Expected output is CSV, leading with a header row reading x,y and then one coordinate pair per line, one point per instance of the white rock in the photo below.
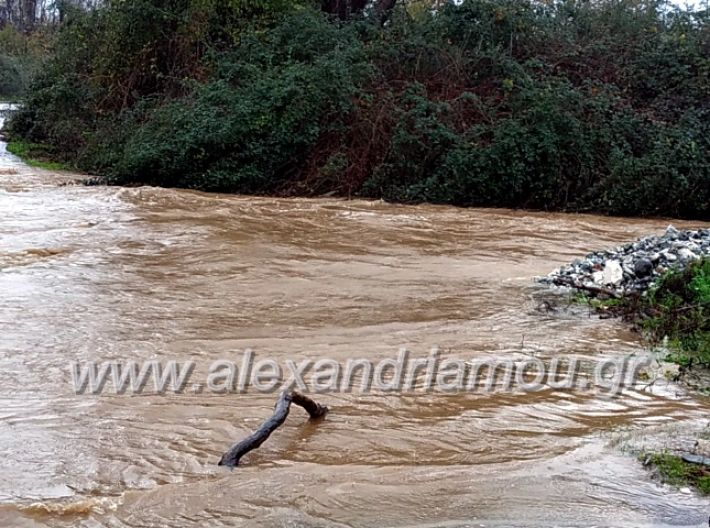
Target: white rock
x,y
598,277
670,256
613,273
672,231
686,254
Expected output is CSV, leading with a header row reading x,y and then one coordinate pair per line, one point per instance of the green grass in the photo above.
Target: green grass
x,y
606,304
581,298
34,155
674,471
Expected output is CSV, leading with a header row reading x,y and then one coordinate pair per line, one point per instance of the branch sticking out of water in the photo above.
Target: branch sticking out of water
x,y
590,288
237,451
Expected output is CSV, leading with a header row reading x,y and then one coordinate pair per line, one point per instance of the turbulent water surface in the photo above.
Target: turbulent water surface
x,y
99,273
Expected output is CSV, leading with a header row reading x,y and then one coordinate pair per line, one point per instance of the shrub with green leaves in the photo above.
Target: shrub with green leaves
x,y
564,105
11,82
680,309
254,123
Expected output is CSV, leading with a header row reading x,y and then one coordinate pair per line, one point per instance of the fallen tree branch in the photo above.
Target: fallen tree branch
x,y
596,290
237,451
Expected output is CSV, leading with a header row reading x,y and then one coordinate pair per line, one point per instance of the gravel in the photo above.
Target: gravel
x,y
633,267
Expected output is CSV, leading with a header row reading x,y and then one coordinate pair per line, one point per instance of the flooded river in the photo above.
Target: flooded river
x,y
101,273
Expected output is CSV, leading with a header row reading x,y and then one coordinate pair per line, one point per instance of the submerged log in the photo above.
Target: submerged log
x,y
283,405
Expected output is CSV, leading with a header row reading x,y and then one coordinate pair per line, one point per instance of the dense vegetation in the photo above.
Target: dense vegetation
x,y
679,311
20,56
560,104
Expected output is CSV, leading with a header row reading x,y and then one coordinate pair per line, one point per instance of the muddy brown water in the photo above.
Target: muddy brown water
x,y
99,273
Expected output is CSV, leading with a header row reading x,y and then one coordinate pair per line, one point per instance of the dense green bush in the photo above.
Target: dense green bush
x,y
255,120
11,82
566,104
679,306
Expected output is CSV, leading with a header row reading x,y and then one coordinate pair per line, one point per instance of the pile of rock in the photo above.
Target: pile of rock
x,y
632,267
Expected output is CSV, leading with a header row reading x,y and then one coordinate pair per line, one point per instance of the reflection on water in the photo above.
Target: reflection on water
x,y
93,273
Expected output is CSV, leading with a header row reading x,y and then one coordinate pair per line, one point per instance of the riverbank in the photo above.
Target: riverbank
x,y
35,155
677,455
682,470
661,286
473,104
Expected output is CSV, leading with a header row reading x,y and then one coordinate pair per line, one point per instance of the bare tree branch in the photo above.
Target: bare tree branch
x,y
237,451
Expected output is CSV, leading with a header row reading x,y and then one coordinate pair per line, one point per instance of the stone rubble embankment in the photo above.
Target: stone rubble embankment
x,y
632,268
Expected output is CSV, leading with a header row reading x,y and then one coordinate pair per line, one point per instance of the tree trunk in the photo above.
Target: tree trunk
x,y
29,14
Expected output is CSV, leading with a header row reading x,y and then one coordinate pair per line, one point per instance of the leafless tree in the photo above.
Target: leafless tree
x,y
28,15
